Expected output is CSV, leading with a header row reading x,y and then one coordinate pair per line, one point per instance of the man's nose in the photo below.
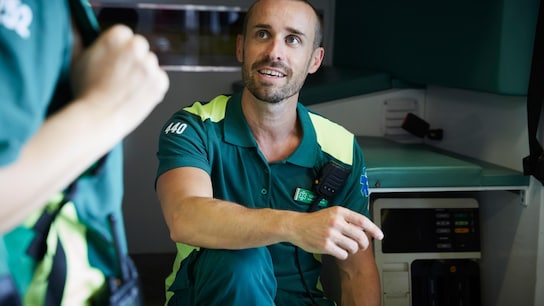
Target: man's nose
x,y
276,49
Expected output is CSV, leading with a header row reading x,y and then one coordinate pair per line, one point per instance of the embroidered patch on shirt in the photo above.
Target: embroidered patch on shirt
x,y
364,183
307,196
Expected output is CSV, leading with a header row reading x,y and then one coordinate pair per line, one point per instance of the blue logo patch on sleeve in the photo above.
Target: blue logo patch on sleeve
x,y
364,183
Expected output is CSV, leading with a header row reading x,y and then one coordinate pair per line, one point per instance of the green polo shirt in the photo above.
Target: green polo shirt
x,y
215,137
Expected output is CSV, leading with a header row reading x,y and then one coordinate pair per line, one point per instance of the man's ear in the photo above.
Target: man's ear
x,y
317,59
240,48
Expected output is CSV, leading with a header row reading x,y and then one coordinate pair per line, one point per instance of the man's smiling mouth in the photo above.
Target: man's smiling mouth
x,y
272,73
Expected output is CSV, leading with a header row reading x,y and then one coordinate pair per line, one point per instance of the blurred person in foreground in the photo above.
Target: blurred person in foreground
x,y
69,97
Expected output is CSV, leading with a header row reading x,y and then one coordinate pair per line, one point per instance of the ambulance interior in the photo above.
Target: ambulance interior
x,y
471,222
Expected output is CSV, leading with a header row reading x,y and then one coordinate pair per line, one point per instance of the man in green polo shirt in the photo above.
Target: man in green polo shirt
x,y
237,181
68,97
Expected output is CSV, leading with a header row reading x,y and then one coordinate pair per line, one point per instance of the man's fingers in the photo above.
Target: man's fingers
x,y
364,224
372,229
335,250
139,46
117,35
346,232
349,244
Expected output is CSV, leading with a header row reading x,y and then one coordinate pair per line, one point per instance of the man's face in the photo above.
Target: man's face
x,y
277,51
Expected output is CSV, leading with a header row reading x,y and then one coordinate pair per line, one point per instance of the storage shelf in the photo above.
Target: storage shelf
x,y
410,167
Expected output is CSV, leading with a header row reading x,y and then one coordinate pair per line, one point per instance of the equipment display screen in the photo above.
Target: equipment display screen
x,y
430,230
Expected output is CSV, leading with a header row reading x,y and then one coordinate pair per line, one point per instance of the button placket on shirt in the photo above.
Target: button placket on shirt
x,y
265,189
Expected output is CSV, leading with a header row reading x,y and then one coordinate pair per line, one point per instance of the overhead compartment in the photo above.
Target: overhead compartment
x,y
477,45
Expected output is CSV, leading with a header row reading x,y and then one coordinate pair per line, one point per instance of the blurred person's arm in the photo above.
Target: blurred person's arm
x,y
117,82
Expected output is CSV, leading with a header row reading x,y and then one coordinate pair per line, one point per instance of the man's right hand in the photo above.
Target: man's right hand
x,y
336,231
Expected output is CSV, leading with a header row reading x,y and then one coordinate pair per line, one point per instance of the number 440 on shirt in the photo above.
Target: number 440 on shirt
x,y
175,128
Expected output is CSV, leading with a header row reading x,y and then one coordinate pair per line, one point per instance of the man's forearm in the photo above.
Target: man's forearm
x,y
218,224
359,279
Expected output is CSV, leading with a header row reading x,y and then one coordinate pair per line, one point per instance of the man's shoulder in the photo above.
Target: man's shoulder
x,y
333,138
325,127
213,110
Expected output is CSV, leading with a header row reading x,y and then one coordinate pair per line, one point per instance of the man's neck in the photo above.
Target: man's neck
x,y
275,126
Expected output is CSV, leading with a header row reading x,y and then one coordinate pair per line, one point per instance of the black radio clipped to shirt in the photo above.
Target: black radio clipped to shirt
x,y
326,185
330,180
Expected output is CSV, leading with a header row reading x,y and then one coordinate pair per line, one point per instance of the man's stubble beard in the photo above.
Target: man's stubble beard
x,y
267,92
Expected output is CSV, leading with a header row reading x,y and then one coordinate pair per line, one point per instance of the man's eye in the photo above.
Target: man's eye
x,y
292,40
262,34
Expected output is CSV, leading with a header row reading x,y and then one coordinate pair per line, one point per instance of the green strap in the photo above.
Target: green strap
x,y
57,277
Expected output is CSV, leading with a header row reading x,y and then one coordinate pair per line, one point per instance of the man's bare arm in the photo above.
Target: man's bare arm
x,y
359,279
196,218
